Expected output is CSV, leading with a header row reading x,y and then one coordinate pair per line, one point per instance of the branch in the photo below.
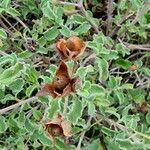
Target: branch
x,y
83,133
68,3
118,25
139,47
109,17
4,110
82,9
128,130
135,46
21,22
3,53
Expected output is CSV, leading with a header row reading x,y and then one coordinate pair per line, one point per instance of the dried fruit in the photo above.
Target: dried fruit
x,y
71,48
133,68
62,84
59,127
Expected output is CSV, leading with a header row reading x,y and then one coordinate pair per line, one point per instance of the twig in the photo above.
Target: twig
x,y
124,18
135,46
109,16
68,3
4,110
119,73
139,47
21,22
89,19
83,133
5,27
140,12
88,58
3,53
9,23
124,128
138,78
82,9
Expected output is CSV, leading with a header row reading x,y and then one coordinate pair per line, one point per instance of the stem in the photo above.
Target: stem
x,y
82,9
4,110
68,3
138,78
124,128
21,22
83,133
109,16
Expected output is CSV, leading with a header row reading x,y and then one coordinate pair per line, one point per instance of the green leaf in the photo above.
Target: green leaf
x,y
91,108
25,54
125,64
5,3
122,49
54,108
124,143
78,19
76,111
51,33
148,117
30,89
29,125
126,86
32,75
42,50
13,124
97,90
47,11
37,114
82,71
44,139
101,101
10,74
146,71
3,34
120,96
113,111
108,131
68,9
95,145
3,125
13,12
2,94
83,28
114,82
137,95
17,85
21,119
1,10
42,41
60,145
103,69
65,31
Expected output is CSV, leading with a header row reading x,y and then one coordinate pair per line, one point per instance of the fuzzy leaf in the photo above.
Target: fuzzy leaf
x,y
3,125
3,34
51,34
76,111
103,69
54,108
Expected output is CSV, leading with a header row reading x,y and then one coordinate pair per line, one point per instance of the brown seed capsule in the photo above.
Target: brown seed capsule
x,y
62,84
71,48
133,68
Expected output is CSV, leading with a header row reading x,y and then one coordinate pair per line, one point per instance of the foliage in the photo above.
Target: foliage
x,y
110,108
